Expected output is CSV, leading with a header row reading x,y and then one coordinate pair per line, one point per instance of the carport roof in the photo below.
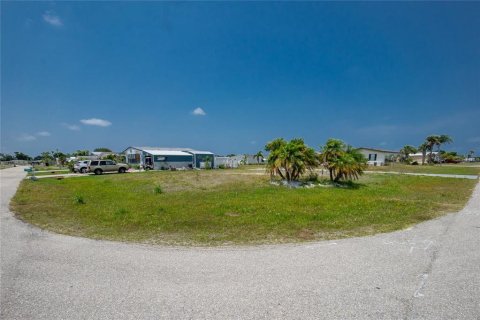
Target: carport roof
x,y
166,152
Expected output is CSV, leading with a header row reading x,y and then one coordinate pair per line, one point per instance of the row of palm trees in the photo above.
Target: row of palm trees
x,y
426,148
290,159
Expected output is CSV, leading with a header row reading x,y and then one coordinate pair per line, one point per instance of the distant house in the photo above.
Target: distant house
x,y
226,162
247,159
419,156
378,157
168,158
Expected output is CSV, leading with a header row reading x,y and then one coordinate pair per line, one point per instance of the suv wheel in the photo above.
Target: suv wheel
x,y
121,170
83,170
98,171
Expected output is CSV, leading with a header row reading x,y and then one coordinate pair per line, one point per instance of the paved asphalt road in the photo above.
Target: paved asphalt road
x,y
431,271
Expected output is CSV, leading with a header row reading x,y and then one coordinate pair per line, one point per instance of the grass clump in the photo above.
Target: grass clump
x,y
157,190
78,199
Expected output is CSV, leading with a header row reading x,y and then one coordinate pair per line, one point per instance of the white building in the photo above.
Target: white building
x,y
378,157
419,156
226,162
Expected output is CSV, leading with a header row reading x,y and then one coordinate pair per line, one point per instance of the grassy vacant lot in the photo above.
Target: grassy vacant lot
x,y
444,168
231,206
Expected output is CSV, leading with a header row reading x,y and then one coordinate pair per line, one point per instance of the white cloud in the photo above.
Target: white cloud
x,y
51,18
199,112
72,127
96,122
43,134
26,137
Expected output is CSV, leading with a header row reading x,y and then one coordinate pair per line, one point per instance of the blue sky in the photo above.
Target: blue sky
x,y
228,77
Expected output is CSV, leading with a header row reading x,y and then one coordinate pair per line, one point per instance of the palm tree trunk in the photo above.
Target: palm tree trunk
x,y
280,174
338,177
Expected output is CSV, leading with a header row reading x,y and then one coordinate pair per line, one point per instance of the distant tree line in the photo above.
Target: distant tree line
x,y
431,144
48,157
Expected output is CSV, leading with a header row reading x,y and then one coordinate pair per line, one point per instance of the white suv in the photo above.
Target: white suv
x,y
81,166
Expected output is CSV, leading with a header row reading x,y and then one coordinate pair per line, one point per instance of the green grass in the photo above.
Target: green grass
x,y
231,207
444,168
5,166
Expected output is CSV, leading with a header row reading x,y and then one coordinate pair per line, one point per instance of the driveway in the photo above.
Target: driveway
x,y
431,271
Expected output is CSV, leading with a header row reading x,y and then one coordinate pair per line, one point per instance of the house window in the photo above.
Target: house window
x,y
372,157
133,158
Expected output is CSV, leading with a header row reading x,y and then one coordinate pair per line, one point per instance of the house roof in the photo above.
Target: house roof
x,y
379,150
172,151
198,152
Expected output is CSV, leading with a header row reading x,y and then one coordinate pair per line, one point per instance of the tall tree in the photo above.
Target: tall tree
x,y
423,148
102,150
6,157
60,156
443,139
46,157
431,142
258,156
406,151
22,156
436,140
80,153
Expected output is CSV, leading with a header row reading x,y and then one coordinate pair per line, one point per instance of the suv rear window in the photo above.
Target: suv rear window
x,y
94,163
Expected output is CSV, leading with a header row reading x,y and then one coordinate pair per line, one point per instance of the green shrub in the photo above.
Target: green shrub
x,y
78,199
120,213
157,190
312,177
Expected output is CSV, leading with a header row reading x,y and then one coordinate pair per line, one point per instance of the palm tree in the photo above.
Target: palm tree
x,y
431,142
443,139
350,165
423,148
258,156
290,159
436,140
342,161
406,151
330,152
273,160
245,159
